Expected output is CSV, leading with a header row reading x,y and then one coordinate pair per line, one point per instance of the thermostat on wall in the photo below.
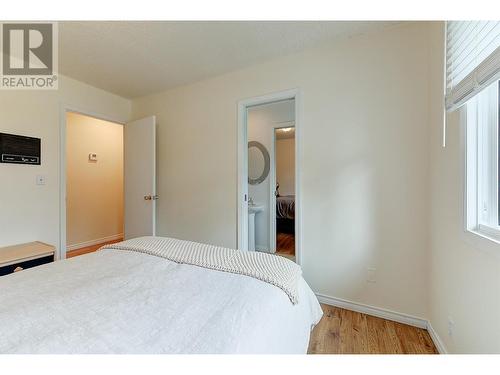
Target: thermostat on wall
x,y
92,157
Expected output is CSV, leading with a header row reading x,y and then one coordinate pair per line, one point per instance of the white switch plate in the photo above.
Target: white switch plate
x,y
371,275
451,326
40,179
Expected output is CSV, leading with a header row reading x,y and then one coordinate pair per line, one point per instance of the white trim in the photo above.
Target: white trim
x,y
94,242
242,197
154,203
488,232
479,177
438,343
262,249
386,314
64,108
468,167
242,226
272,193
298,194
374,311
272,182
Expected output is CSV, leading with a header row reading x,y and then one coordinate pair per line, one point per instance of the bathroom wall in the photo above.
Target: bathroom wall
x,y
261,122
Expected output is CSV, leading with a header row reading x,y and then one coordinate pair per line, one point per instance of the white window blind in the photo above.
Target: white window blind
x,y
472,59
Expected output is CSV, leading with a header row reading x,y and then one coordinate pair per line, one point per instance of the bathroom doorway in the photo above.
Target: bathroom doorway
x,y
283,197
268,209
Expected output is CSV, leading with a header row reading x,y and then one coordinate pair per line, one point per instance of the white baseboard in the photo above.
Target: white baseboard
x,y
436,339
374,311
94,242
386,314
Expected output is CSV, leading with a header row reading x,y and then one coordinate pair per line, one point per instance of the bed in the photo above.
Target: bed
x,y
285,214
119,301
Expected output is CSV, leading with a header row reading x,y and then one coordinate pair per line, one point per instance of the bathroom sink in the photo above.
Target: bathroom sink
x,y
255,208
252,210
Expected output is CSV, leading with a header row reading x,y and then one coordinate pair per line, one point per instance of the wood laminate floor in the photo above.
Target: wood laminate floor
x,y
347,332
88,249
285,244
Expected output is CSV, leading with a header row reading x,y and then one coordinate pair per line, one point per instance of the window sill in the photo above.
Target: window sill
x,y
486,232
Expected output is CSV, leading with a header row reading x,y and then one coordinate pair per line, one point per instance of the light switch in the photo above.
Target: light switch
x,y
40,179
371,273
92,157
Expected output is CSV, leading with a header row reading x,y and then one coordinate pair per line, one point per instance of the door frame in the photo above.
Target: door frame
x,y
242,193
63,110
272,182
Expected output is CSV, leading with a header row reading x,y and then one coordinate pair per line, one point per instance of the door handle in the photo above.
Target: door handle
x,y
151,197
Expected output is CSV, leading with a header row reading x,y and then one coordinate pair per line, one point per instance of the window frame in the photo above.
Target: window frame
x,y
481,120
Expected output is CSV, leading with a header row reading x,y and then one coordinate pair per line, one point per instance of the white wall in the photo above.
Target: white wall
x,y
261,122
94,188
464,268
373,173
364,162
285,165
31,212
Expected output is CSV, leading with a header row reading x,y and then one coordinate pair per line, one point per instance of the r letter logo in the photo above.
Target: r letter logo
x,y
29,56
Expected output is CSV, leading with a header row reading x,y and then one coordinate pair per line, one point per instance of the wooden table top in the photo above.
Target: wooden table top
x,y
24,252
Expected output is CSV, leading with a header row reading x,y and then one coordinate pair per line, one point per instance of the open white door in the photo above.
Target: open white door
x,y
139,141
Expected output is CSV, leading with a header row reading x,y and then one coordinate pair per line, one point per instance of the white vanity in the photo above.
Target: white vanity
x,y
253,209
258,186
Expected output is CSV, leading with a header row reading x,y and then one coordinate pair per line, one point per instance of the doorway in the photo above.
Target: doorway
x,y
138,179
283,196
94,183
260,127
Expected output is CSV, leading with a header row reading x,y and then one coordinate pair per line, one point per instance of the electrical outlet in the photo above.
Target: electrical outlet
x,y
371,275
451,326
40,179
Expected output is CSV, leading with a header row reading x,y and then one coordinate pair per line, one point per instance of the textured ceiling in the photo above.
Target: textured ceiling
x,y
134,59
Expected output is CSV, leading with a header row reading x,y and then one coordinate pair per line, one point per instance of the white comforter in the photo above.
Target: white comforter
x,y
116,301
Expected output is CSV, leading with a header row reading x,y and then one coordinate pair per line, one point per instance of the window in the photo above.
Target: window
x,y
482,159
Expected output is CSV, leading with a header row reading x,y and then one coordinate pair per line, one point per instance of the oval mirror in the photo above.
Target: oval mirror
x,y
258,163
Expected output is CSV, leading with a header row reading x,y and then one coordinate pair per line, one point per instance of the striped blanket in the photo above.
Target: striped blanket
x,y
270,268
